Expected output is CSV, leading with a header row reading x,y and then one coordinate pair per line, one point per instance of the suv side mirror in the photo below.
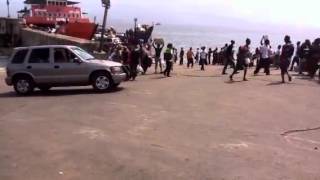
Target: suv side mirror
x,y
77,60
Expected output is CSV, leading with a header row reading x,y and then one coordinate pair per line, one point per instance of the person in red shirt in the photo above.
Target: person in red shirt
x,y
190,56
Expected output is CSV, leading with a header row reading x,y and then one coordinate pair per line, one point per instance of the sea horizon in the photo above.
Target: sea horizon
x,y
212,36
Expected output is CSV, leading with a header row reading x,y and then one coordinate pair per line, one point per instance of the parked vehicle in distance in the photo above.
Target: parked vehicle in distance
x,y
45,67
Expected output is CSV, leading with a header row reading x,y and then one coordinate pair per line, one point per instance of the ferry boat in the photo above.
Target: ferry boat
x,y
61,14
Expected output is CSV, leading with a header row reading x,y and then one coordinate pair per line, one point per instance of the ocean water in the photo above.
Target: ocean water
x,y
212,37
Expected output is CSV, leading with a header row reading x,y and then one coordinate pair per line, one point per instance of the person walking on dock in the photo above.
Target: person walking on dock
x,y
181,56
203,58
313,63
168,57
305,56
229,58
243,60
197,57
190,56
266,53
277,57
175,54
296,58
210,54
215,56
158,49
286,55
135,58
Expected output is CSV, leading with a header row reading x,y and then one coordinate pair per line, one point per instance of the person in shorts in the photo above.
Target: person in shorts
x,y
190,56
266,53
203,58
286,55
229,58
158,49
242,63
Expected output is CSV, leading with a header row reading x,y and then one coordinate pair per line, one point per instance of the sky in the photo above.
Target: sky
x,y
203,12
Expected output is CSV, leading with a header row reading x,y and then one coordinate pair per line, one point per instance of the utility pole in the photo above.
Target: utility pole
x,y
106,4
135,29
8,7
135,24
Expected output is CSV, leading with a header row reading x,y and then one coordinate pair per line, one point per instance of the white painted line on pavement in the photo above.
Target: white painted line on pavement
x,y
2,70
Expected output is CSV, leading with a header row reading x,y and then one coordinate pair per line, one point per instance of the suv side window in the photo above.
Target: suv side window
x,y
20,56
40,55
62,55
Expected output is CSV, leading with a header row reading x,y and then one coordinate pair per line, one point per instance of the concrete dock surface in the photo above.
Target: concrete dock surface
x,y
195,125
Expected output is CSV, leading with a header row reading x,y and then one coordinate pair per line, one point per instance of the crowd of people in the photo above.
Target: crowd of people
x,y
302,57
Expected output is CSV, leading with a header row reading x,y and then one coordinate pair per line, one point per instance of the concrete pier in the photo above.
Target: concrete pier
x,y
31,37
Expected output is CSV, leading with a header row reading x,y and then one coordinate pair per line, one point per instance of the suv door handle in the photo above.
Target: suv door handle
x,y
29,67
56,67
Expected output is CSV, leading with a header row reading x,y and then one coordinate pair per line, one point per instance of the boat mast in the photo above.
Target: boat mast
x,y
106,5
8,7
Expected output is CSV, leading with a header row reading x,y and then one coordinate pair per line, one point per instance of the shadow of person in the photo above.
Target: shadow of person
x,y
233,82
275,83
159,77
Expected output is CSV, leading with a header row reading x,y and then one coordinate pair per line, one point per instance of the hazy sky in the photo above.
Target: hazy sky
x,y
209,12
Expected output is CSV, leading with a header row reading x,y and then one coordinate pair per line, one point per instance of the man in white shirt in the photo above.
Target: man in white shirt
x,y
203,58
266,53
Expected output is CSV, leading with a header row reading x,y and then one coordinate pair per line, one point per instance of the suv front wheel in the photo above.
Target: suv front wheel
x,y
102,82
23,85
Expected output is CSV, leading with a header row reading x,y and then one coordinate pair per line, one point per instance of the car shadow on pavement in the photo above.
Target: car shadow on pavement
x,y
233,82
160,77
198,76
60,92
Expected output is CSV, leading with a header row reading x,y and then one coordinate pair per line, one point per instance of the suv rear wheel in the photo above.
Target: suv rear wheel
x,y
23,85
102,82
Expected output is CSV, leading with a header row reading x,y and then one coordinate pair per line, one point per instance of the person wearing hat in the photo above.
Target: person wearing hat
x,y
285,59
229,58
203,58
242,63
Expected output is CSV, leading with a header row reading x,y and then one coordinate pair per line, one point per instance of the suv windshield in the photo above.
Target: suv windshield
x,y
82,53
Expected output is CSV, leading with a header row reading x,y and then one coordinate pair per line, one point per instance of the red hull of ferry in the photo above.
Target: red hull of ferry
x,y
68,18
79,30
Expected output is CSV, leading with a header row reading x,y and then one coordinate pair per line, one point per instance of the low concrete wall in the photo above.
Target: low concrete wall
x,y
31,37
9,32
3,61
5,52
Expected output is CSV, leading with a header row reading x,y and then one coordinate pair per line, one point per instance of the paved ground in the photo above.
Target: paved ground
x,y
3,62
195,125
